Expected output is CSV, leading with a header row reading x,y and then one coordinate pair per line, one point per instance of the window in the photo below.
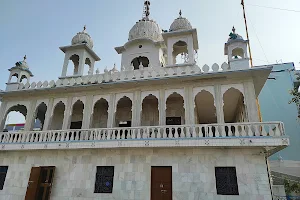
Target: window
x,y
226,181
3,172
104,179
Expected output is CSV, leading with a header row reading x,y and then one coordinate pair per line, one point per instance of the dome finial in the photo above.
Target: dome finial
x,y
146,11
180,13
233,29
25,58
84,28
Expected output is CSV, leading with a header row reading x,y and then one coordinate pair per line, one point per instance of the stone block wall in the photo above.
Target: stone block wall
x,y
193,172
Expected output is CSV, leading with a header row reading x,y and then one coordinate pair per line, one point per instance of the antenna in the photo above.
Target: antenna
x,y
245,19
146,10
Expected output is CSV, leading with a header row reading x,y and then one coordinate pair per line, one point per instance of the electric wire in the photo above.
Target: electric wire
x,y
282,9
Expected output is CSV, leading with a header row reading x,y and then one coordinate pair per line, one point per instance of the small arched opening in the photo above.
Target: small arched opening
x,y
100,114
150,113
123,115
14,78
74,69
77,115
238,53
40,115
58,116
15,118
205,110
87,67
175,110
141,60
180,52
24,79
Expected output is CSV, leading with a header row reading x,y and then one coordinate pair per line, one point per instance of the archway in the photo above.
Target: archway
x,y
123,115
40,115
87,67
141,60
77,115
205,110
14,78
24,79
238,53
175,112
100,114
15,118
58,116
75,67
234,108
150,113
180,53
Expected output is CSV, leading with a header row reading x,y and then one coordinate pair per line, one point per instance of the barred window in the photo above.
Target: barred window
x,y
104,179
3,172
226,181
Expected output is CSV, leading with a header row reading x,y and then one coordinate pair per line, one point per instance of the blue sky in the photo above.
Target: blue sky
x,y
38,28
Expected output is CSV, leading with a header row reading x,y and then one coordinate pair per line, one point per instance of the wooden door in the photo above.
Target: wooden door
x,y
33,183
46,180
161,183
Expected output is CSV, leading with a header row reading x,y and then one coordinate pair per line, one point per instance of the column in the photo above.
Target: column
x,y
87,111
250,102
219,104
162,107
65,66
3,115
30,117
48,115
82,58
136,109
191,50
67,114
170,55
187,105
191,106
111,111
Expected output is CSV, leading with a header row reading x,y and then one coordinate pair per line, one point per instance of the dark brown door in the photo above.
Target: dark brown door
x,y
161,183
33,183
46,179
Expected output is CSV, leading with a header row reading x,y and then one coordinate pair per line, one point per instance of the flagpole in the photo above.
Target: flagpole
x,y
244,12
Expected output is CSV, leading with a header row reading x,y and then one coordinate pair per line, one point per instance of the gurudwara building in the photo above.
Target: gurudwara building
x,y
151,130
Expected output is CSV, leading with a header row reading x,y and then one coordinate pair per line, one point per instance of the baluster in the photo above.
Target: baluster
x,y
235,131
264,133
229,130
164,132
176,132
152,133
257,131
217,134
11,137
243,133
250,133
271,132
76,135
72,136
36,139
110,134
138,136
210,131
103,134
278,130
121,133
15,138
53,136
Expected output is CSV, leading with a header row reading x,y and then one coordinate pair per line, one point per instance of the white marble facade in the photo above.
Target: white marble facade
x,y
193,175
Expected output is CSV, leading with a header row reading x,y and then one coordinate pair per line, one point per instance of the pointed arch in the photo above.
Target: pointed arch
x,y
150,111
175,111
234,107
74,70
205,109
77,115
100,114
57,117
123,114
180,52
40,115
18,112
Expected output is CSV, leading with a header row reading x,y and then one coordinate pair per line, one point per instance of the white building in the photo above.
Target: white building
x,y
153,130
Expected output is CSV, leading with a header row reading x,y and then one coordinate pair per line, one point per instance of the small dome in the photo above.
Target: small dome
x,y
180,24
234,36
22,64
83,38
146,29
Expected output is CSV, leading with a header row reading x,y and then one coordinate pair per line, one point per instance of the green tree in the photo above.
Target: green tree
x,y
295,94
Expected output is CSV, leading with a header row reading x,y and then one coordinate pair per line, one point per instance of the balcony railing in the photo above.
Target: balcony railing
x,y
179,133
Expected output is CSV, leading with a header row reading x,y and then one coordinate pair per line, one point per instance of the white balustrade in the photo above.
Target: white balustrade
x,y
127,75
227,130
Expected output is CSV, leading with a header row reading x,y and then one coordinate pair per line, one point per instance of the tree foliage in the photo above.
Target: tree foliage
x,y
295,94
291,187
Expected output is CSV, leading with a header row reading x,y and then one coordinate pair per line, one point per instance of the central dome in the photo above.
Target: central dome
x,y
146,29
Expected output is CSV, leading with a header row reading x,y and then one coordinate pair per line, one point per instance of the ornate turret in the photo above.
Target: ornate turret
x,y
20,73
236,49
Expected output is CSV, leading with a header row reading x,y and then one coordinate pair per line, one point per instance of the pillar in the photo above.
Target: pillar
x,y
87,111
3,115
191,50
162,107
67,114
65,66
187,105
30,117
250,102
111,111
136,109
82,58
48,115
219,103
